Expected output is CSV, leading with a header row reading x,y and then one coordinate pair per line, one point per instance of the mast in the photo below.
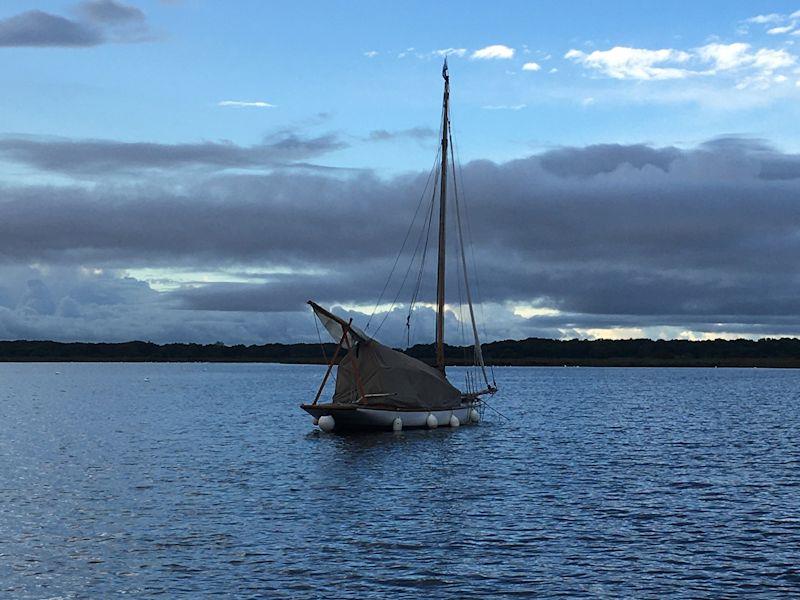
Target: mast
x,y
442,218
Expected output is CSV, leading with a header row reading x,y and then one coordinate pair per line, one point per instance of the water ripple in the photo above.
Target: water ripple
x,y
209,481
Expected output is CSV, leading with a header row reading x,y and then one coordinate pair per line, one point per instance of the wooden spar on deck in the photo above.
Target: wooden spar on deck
x,y
442,217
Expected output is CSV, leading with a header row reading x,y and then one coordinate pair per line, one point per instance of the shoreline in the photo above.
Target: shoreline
x,y
781,353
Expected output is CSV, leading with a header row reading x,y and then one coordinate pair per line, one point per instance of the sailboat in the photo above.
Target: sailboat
x,y
378,387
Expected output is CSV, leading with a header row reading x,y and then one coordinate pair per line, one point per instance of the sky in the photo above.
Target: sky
x,y
194,171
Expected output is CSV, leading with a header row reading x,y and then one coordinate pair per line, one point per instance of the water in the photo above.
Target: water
x,y
192,480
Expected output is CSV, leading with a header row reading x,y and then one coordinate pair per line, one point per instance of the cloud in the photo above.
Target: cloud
x,y
531,66
726,56
633,63
110,12
417,133
451,52
780,30
765,19
246,104
38,29
738,62
107,157
405,52
504,106
495,51
606,158
98,22
599,237
771,60
777,24
371,53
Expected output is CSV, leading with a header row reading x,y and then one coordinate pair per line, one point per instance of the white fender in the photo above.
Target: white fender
x,y
474,415
326,423
431,421
454,422
397,424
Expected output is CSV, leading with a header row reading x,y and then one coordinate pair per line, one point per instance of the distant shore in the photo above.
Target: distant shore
x,y
765,353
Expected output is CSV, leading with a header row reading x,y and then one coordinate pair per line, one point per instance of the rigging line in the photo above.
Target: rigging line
x,y
478,352
460,175
418,283
408,270
468,365
434,169
463,337
487,405
405,240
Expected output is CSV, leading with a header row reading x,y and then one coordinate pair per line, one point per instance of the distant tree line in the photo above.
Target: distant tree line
x,y
783,352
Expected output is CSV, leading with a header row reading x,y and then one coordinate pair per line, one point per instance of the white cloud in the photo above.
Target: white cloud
x,y
726,56
622,62
746,66
588,101
245,104
553,70
494,51
780,30
371,53
451,52
765,19
778,23
770,60
531,66
739,55
504,106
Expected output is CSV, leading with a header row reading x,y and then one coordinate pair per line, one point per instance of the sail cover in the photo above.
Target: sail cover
x,y
388,377
391,378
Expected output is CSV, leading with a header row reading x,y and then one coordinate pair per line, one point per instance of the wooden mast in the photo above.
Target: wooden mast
x,y
442,218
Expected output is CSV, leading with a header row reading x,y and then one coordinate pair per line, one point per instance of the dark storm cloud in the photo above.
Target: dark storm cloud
x,y
416,133
605,158
38,28
283,293
100,157
97,22
629,237
773,165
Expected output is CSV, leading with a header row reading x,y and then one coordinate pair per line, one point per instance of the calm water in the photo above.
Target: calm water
x,y
207,479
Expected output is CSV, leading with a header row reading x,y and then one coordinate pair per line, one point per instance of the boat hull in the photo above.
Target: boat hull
x,y
350,417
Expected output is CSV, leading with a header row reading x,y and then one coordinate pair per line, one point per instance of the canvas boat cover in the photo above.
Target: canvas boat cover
x,y
391,378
